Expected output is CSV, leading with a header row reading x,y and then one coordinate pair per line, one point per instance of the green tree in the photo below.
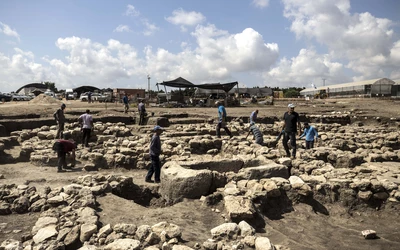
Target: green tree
x,y
51,86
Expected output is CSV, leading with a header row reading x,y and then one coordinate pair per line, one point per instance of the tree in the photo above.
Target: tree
x,y
291,93
51,86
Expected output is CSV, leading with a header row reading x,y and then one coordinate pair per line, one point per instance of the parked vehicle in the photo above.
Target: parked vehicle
x,y
4,97
25,97
50,93
70,94
95,97
16,97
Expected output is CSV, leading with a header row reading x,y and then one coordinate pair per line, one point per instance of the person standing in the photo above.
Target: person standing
x,y
89,96
253,116
258,136
60,119
291,124
64,147
222,120
142,112
155,151
86,121
125,100
310,133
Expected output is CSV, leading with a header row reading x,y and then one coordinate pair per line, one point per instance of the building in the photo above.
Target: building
x,y
370,88
133,94
36,88
396,89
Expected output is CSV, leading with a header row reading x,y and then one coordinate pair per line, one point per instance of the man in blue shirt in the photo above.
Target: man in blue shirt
x,y
310,133
253,116
258,136
125,100
222,120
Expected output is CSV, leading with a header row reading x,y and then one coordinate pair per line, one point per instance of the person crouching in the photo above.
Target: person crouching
x,y
64,147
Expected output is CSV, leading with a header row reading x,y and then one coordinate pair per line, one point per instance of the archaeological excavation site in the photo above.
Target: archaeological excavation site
x,y
215,193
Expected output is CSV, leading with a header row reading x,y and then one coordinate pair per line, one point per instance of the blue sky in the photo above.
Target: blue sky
x,y
255,42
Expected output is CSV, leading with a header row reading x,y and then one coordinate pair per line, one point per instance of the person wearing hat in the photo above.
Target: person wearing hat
x,y
86,121
310,133
222,120
155,151
258,136
291,125
60,119
63,147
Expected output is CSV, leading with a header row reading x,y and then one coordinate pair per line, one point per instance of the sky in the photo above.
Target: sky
x,y
274,43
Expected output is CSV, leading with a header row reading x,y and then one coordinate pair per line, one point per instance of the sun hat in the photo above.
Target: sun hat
x,y
157,128
291,105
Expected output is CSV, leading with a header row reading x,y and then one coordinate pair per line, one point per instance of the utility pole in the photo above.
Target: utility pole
x,y
323,79
148,79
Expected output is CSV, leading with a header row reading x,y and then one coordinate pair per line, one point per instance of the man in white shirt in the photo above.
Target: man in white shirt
x,y
86,121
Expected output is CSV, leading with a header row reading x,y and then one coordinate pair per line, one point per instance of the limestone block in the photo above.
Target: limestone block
x,y
246,229
123,244
179,182
264,171
239,207
263,243
87,230
229,230
45,233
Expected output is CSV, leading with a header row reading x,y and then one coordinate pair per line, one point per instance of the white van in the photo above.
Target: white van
x,y
50,93
69,94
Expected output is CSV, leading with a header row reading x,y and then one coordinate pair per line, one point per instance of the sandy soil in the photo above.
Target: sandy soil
x,y
364,108
301,229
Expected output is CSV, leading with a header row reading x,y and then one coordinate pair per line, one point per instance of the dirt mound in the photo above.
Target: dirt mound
x,y
45,99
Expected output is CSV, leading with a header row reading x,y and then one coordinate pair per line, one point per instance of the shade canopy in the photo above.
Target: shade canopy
x,y
183,83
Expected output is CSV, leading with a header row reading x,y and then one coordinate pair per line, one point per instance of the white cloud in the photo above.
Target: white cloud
x,y
215,56
4,28
122,28
19,69
307,67
131,11
260,3
363,40
185,18
149,28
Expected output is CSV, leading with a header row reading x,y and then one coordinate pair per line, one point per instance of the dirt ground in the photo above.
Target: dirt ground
x,y
300,229
364,107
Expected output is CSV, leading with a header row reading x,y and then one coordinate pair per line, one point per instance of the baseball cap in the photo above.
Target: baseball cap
x,y
157,128
291,105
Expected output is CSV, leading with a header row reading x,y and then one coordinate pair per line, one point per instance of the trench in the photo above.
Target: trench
x,y
145,196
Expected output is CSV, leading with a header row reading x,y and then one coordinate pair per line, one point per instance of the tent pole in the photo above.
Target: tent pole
x,y
237,85
158,89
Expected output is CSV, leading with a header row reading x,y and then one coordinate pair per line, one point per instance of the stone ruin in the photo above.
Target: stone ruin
x,y
354,165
